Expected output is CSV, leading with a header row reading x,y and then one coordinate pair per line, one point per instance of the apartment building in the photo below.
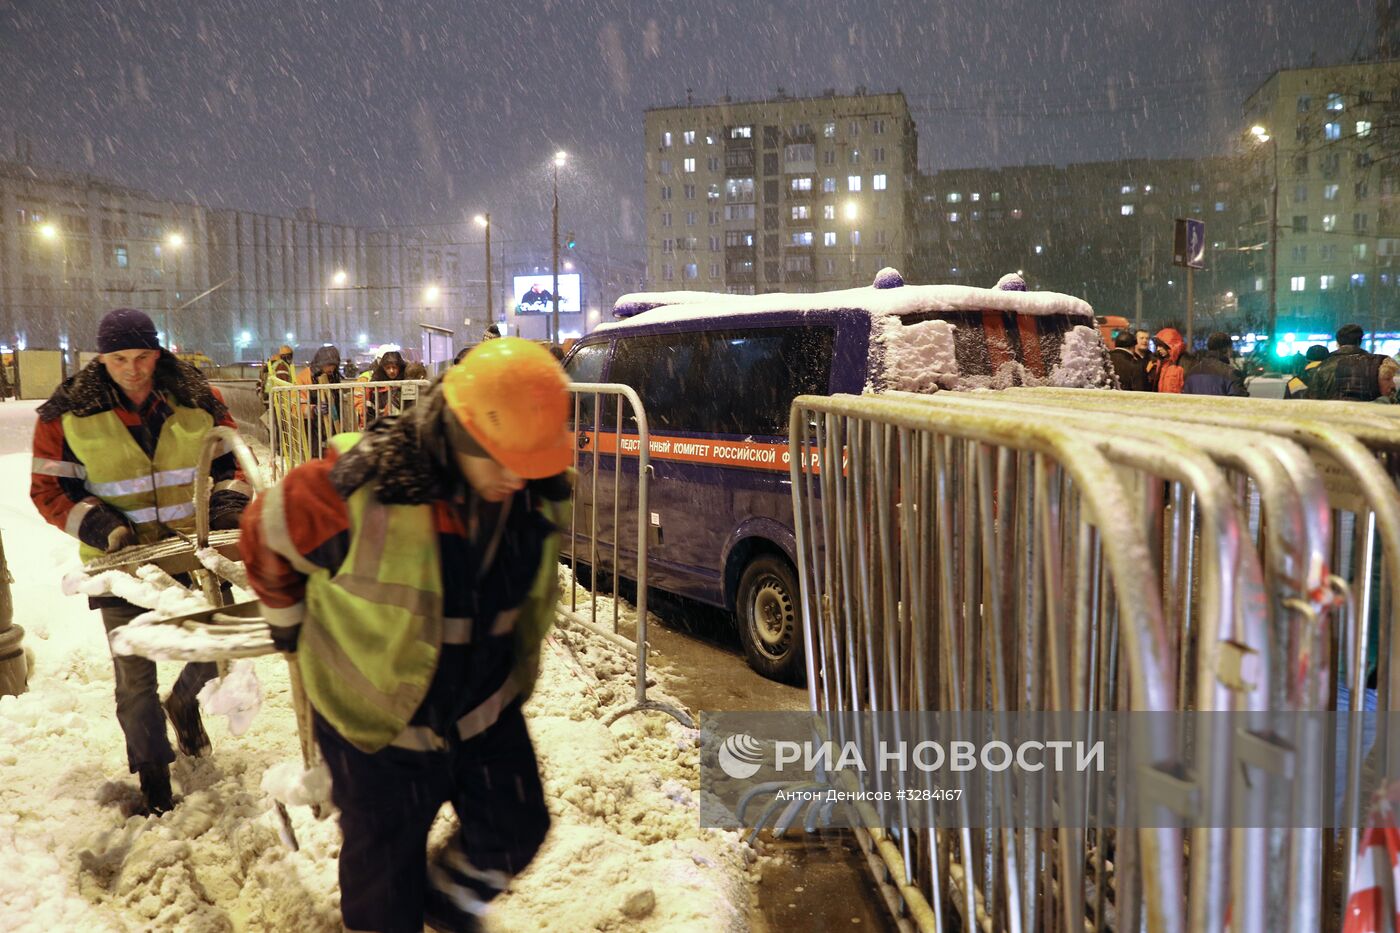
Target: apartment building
x,y
74,245
1099,230
1328,138
782,194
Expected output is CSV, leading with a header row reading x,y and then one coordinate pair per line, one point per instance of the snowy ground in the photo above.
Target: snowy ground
x,y
626,851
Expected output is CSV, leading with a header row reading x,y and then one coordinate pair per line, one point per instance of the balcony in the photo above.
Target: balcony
x,y
739,161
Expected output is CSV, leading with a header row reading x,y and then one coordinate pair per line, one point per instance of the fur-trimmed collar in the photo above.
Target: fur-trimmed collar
x,y
407,459
91,391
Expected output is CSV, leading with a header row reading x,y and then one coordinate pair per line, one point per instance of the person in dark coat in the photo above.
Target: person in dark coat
x,y
1212,374
385,400
1351,374
1132,372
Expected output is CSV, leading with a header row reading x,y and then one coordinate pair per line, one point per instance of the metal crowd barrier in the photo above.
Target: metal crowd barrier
x,y
302,419
1202,559
607,510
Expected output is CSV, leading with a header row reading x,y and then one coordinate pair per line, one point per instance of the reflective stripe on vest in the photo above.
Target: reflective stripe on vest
x,y
372,634
151,491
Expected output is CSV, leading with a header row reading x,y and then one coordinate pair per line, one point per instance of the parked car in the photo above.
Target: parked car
x,y
717,375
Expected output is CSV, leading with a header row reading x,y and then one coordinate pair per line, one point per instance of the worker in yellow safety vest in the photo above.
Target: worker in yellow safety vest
x,y
413,571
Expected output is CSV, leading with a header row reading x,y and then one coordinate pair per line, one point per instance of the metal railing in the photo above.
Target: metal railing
x,y
303,418
624,514
1186,569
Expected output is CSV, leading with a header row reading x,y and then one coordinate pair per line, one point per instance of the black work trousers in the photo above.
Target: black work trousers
x,y
138,704
389,799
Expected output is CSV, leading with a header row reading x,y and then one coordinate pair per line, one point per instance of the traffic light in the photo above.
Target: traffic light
x,y
569,241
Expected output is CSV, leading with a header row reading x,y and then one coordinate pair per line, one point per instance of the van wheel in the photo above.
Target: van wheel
x,y
770,619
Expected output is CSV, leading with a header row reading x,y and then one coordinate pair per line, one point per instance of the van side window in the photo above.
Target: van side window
x,y
586,365
726,382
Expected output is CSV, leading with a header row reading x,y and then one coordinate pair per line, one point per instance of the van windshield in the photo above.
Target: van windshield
x,y
738,381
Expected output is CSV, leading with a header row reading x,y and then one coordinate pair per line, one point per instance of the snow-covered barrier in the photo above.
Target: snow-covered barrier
x,y
1008,541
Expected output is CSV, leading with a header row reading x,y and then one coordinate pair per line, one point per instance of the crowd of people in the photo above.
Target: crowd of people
x,y
1162,363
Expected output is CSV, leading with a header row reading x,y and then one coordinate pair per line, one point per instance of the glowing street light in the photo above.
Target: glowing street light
x,y
339,279
48,232
484,221
1259,133
852,210
430,294
174,241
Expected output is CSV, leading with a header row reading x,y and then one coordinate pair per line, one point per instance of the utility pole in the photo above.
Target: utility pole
x,y
1273,248
559,158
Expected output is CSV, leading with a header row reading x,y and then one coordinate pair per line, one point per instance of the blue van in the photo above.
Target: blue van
x,y
717,375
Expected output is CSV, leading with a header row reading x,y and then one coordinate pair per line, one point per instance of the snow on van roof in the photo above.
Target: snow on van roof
x,y
669,307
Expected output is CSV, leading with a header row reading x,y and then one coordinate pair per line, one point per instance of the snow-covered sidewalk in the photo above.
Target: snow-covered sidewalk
x,y
626,851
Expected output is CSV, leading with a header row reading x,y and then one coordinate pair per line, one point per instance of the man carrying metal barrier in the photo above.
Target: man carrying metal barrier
x,y
413,571
115,452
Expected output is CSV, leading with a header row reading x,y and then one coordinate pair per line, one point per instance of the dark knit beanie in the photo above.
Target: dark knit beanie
x,y
126,329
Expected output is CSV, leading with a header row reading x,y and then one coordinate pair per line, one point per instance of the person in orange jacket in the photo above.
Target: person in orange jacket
x,y
1171,375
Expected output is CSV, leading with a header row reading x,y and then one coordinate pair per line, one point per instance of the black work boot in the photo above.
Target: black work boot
x,y
155,788
189,728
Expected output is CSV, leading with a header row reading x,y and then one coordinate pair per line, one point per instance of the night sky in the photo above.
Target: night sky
x,y
400,112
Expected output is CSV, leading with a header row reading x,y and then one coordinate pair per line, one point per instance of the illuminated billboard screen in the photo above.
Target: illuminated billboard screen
x,y
534,294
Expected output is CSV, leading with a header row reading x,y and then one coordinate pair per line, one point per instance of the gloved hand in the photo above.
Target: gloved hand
x,y
284,637
99,528
225,508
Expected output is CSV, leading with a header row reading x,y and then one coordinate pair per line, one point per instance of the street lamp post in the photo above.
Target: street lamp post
x,y
852,212
485,221
175,242
559,158
1263,136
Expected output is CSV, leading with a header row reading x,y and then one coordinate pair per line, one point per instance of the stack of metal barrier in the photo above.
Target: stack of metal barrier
x,y
302,419
1068,550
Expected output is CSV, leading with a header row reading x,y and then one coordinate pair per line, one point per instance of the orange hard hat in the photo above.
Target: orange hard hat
x,y
512,397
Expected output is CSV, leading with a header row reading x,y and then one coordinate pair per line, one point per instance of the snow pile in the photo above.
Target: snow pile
x,y
919,357
238,696
297,786
626,851
1081,361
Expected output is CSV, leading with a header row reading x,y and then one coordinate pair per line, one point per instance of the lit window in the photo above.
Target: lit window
x,y
1126,210
829,238
1358,279
1332,131
855,237
803,183
1219,206
828,212
976,195
801,212
1329,222
1146,189
119,254
954,197
877,182
692,270
689,165
689,137
1039,249
741,132
1298,283
1015,213
1363,128
802,238
1258,283
852,182
1329,192
1334,101
1128,189
829,130
1326,282
829,185
666,140
954,217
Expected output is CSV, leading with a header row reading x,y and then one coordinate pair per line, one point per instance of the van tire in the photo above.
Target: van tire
x,y
769,610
